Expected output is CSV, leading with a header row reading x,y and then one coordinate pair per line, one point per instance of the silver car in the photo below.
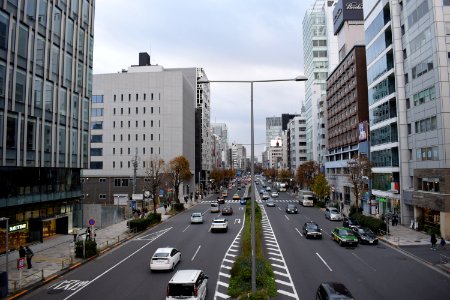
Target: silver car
x,y
196,217
333,214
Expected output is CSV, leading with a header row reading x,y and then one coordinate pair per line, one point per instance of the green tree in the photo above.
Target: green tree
x,y
284,175
320,187
178,173
217,175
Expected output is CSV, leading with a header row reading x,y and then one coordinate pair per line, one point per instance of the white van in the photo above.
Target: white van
x,y
187,284
308,200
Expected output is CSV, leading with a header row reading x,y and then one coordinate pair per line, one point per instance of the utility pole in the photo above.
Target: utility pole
x,y
135,167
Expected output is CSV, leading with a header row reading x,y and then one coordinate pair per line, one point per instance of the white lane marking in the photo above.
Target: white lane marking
x,y
232,255
226,267
288,294
186,228
273,253
228,260
220,295
286,217
283,282
280,273
299,232
324,262
224,275
119,263
222,284
195,254
361,260
276,259
278,266
279,208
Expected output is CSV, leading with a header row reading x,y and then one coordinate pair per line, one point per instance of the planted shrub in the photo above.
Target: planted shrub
x,y
178,206
90,248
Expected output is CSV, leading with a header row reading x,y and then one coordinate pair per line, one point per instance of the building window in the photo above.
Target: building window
x,y
428,184
137,110
425,125
102,196
101,180
96,138
114,97
114,164
424,96
96,165
114,151
96,151
97,98
96,125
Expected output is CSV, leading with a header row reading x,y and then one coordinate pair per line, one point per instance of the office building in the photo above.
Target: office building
x,y
45,88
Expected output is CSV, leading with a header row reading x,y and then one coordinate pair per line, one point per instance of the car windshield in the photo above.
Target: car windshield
x,y
291,206
196,214
353,222
365,230
161,254
334,211
312,226
219,221
344,232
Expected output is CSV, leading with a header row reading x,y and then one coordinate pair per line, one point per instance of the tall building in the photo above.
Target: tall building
x,y
346,102
276,153
320,56
239,157
407,74
273,129
221,130
139,115
45,88
297,142
203,154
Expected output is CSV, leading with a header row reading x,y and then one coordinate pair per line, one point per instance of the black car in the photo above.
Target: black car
x,y
312,229
350,223
291,209
333,290
365,235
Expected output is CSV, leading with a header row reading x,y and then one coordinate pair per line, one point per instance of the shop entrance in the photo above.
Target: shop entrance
x,y
55,226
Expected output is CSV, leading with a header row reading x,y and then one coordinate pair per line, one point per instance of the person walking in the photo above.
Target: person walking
x,y
433,241
29,255
443,243
22,252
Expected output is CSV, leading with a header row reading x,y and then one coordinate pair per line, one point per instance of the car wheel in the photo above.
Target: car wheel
x,y
173,266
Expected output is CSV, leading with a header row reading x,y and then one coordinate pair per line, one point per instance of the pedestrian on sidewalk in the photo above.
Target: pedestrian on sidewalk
x,y
165,207
29,255
22,252
443,243
433,241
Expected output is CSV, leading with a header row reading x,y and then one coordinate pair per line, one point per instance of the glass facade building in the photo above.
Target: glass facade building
x,y
46,53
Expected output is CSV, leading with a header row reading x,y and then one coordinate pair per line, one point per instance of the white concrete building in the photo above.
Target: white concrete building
x,y
141,113
297,140
221,130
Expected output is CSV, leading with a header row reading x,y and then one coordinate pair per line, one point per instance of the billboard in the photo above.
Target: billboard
x,y
363,131
347,10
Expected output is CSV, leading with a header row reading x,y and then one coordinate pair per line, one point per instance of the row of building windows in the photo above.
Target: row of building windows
x,y
129,151
144,96
428,184
427,153
424,96
422,68
418,13
420,40
137,110
425,125
98,165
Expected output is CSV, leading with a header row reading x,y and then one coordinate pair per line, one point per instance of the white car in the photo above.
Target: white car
x,y
165,259
219,224
333,214
187,284
265,196
274,194
215,208
196,217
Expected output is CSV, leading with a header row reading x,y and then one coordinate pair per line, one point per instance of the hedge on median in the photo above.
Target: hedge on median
x,y
374,224
90,247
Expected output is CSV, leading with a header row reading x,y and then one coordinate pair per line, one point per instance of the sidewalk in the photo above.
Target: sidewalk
x,y
56,255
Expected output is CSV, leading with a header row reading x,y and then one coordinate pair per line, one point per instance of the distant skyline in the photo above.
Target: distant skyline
x,y
231,40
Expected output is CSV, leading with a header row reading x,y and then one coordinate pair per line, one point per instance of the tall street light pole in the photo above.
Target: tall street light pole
x,y
202,80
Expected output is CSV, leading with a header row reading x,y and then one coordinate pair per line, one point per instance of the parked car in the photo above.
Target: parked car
x,y
365,235
227,210
265,196
344,236
333,290
350,223
214,207
196,217
270,202
165,259
220,200
236,197
312,229
333,214
219,224
291,209
187,284
274,194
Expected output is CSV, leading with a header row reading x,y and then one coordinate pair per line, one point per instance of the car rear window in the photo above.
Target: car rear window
x,y
180,289
161,254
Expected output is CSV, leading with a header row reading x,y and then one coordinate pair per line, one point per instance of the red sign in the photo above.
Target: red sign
x,y
20,263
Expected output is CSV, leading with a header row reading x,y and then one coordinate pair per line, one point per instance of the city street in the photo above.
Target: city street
x,y
124,272
370,272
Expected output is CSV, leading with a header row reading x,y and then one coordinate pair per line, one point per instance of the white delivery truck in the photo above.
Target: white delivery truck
x,y
306,198
282,187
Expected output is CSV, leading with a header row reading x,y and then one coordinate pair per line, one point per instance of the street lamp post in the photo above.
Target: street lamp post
x,y
202,80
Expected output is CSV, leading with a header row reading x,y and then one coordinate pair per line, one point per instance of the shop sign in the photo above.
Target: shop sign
x,y
17,227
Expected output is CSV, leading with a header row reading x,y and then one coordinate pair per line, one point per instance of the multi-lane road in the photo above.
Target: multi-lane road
x,y
300,265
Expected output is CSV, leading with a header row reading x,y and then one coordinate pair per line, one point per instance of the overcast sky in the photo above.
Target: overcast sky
x,y
230,39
